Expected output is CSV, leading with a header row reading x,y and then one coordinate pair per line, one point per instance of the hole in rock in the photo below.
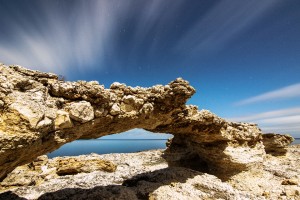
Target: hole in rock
x,y
134,140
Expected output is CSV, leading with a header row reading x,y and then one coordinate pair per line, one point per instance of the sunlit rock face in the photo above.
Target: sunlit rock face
x,y
146,175
39,113
42,169
276,144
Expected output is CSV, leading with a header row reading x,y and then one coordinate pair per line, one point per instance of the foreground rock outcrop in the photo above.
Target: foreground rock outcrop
x,y
276,144
39,113
42,169
146,175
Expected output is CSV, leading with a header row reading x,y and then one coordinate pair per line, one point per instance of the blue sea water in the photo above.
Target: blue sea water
x,y
103,146
296,141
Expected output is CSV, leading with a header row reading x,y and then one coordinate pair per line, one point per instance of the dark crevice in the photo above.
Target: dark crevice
x,y
194,162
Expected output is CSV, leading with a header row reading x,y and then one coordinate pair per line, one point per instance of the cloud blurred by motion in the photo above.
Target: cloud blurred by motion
x,y
279,121
59,36
284,93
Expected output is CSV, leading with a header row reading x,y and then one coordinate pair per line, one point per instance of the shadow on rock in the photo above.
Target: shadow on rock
x,y
137,187
100,192
144,184
10,195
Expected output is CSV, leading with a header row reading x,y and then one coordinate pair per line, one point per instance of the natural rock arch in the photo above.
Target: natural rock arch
x,y
39,113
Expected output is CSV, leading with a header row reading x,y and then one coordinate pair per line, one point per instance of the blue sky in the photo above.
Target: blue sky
x,y
243,57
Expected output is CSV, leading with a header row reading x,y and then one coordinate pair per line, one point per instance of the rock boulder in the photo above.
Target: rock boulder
x,y
276,144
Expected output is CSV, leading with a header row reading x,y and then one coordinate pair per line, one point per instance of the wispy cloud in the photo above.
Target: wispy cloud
x,y
59,35
60,38
82,34
223,23
280,121
294,129
282,93
270,114
295,119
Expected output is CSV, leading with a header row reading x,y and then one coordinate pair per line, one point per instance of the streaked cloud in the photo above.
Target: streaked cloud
x,y
222,24
278,121
282,93
58,36
270,114
282,120
281,129
82,34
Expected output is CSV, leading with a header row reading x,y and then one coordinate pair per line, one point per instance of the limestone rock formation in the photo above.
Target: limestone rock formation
x,y
140,175
146,175
42,170
276,144
279,178
66,166
39,113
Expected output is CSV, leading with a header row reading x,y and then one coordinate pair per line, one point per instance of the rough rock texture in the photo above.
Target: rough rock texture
x,y
279,178
40,113
81,111
74,166
42,169
138,176
276,144
146,175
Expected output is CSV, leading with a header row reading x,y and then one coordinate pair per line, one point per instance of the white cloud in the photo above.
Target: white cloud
x,y
282,93
278,121
61,36
286,120
283,129
60,39
270,114
79,35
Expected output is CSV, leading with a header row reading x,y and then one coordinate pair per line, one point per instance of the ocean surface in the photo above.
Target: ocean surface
x,y
103,146
297,141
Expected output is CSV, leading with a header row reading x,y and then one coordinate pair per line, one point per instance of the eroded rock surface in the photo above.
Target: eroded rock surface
x,y
143,175
146,175
279,178
276,144
43,169
39,113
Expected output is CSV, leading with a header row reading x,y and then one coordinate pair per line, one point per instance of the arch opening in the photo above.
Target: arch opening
x,y
134,140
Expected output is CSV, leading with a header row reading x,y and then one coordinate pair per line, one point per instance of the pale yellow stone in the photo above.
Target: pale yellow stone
x,y
62,120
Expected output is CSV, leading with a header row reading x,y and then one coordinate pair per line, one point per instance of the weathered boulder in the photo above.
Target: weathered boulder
x,y
67,166
43,169
40,113
276,144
